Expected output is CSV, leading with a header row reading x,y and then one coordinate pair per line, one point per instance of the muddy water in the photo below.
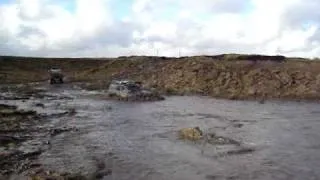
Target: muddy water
x,y
127,140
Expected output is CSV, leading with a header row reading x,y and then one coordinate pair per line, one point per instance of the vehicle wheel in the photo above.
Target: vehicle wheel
x,y
111,95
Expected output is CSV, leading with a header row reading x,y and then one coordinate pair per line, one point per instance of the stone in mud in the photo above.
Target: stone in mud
x,y
238,125
262,101
192,134
17,155
40,105
10,140
102,174
6,106
195,134
55,132
72,111
109,108
214,139
240,151
10,96
13,119
15,112
15,161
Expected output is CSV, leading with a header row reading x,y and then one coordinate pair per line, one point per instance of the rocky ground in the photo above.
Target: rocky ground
x,y
24,135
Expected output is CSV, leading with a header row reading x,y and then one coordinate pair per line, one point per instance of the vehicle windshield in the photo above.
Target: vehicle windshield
x,y
133,88
55,70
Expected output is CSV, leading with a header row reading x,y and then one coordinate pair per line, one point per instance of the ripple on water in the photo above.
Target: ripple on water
x,y
142,137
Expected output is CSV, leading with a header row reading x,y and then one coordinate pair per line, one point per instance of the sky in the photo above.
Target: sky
x,y
111,28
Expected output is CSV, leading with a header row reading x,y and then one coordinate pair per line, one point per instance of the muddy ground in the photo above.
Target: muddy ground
x,y
67,132
228,76
24,131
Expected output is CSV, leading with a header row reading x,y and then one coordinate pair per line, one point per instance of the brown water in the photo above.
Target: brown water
x,y
138,140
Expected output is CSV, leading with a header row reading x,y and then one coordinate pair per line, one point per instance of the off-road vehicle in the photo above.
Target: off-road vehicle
x,y
56,76
131,90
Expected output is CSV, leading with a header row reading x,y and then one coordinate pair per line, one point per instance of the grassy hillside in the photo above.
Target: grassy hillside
x,y
227,76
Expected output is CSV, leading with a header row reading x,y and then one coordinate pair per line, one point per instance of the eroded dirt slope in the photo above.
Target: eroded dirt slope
x,y
226,76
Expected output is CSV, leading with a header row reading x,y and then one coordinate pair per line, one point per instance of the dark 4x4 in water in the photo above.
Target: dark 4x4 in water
x,y
56,76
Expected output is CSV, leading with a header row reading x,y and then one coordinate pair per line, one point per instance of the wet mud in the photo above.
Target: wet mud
x,y
23,132
66,132
150,98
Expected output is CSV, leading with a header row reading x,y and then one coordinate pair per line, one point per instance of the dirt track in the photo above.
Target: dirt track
x,y
79,132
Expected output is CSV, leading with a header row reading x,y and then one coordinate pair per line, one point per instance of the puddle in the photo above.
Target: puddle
x,y
82,133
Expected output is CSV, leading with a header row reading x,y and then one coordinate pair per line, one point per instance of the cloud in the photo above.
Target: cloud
x,y
216,6
166,27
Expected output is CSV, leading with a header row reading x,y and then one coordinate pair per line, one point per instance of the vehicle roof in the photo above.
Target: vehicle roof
x,y
55,70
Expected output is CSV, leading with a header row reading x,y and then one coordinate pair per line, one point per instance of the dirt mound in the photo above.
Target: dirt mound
x,y
232,76
192,134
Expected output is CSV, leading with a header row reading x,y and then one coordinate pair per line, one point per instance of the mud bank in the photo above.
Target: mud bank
x,y
25,135
228,76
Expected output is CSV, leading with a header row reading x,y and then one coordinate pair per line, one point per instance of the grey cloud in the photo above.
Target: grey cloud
x,y
219,47
298,16
216,6
229,6
44,12
185,28
119,34
27,30
315,37
10,45
305,12
14,48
